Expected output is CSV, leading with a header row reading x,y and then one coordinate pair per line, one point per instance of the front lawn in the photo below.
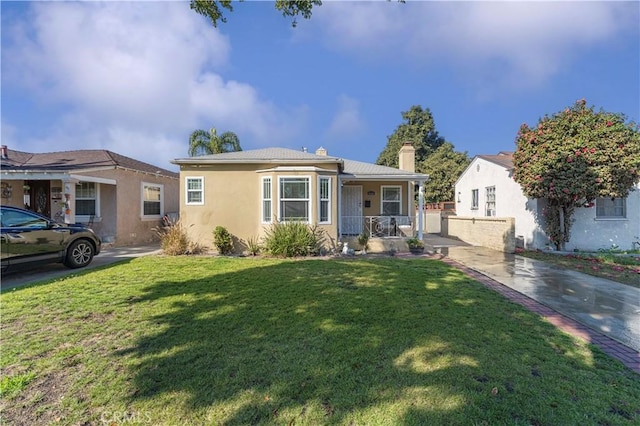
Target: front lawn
x,y
387,341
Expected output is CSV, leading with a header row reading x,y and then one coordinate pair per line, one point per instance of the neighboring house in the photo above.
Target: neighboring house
x,y
121,198
247,191
487,189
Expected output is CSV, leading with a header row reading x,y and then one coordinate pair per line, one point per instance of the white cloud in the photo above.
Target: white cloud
x,y
133,77
529,41
347,121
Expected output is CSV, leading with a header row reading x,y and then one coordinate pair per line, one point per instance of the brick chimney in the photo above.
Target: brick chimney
x,y
321,151
407,157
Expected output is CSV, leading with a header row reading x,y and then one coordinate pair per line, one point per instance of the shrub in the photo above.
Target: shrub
x,y
222,240
415,242
291,239
174,240
253,245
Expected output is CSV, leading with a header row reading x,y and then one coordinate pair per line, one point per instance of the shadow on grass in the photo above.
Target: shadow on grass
x,y
356,341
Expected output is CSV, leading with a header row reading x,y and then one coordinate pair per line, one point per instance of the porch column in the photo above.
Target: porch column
x,y
420,208
339,199
69,201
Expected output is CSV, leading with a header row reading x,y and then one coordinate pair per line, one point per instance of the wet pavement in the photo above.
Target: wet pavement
x,y
608,307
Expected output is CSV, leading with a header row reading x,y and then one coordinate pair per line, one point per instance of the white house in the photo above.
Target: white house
x,y
486,189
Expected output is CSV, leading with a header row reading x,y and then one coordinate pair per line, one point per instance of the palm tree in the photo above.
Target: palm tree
x,y
202,142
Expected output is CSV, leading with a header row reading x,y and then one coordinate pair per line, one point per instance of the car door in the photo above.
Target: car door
x,y
27,236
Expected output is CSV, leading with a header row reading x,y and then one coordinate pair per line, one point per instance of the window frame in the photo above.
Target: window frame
x,y
96,200
281,199
326,199
187,191
265,199
610,207
490,200
383,201
475,199
143,185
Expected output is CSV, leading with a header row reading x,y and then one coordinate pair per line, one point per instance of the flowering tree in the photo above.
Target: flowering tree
x,y
573,157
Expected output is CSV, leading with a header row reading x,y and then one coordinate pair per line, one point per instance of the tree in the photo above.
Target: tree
x,y
213,9
202,142
419,129
444,167
573,157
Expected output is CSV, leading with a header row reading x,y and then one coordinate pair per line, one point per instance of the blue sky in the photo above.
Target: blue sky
x,y
138,77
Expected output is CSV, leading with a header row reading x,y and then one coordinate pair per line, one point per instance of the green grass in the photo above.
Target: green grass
x,y
624,269
178,340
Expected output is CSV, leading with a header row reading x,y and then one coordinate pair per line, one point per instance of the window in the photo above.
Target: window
x,y
294,198
324,195
194,190
86,199
266,200
491,201
475,203
611,208
391,200
152,198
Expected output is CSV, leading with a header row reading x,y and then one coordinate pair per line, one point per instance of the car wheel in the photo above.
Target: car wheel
x,y
79,254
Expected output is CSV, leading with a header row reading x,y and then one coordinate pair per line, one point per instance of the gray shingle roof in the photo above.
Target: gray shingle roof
x,y
504,159
269,155
77,160
356,169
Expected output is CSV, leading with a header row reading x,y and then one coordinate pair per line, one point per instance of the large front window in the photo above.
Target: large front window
x,y
152,197
86,199
324,196
294,199
615,208
391,200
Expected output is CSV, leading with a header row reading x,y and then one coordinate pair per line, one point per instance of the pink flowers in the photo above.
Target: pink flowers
x,y
609,124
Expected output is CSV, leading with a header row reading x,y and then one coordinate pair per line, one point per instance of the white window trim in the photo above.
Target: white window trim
x,y
330,203
309,197
151,216
85,217
486,201
605,218
382,200
475,206
263,199
187,190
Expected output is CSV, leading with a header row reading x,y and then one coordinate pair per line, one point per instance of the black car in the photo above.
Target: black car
x,y
29,237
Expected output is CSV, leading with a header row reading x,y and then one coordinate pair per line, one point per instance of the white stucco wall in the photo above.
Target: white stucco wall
x,y
589,233
510,201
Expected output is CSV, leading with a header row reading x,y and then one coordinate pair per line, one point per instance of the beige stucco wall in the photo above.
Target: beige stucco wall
x,y
233,197
497,233
120,220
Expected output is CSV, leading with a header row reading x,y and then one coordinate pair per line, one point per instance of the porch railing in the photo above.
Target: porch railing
x,y
378,226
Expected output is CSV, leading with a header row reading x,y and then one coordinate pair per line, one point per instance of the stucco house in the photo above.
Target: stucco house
x,y
486,189
121,198
247,191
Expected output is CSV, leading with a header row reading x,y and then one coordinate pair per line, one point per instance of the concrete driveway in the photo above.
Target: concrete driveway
x,y
108,255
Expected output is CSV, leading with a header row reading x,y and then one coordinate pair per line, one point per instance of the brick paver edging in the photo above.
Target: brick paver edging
x,y
628,356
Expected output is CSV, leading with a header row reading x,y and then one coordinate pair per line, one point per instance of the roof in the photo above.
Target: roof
x,y
76,161
354,169
504,159
265,155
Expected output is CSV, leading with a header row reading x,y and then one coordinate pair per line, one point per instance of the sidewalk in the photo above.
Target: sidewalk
x,y
603,312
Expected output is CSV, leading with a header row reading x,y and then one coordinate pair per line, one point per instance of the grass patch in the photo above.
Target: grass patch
x,y
210,340
624,269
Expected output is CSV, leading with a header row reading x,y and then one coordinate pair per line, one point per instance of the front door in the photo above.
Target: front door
x,y
40,200
352,220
